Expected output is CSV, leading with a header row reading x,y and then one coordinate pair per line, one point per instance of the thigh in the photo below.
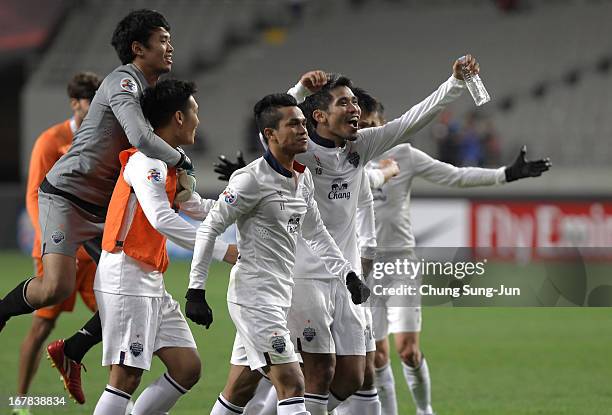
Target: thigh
x,y
349,328
241,384
65,226
173,328
264,334
310,316
129,329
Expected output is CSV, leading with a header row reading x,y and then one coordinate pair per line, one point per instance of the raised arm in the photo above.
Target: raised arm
x,y
377,140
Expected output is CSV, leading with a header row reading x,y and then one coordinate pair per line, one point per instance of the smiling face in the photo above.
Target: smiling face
x,y
341,119
156,55
291,136
188,124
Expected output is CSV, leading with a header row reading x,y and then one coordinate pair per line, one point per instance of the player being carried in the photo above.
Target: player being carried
x,y
272,202
74,196
139,317
394,236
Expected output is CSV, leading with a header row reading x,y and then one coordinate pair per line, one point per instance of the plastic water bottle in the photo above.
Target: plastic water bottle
x,y
475,86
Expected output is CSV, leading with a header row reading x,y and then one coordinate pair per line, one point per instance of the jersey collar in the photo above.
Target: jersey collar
x,y
324,142
269,157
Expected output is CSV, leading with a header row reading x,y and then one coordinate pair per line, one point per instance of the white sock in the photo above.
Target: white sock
x,y
225,407
363,402
385,383
292,406
333,402
159,397
112,402
419,384
316,404
264,400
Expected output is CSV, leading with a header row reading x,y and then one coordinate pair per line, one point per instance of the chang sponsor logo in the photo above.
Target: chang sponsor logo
x,y
339,190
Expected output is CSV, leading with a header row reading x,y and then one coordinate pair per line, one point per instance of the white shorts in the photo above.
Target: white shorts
x,y
323,319
133,328
394,319
262,337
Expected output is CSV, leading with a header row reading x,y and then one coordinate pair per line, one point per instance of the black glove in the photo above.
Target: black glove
x,y
359,291
523,168
184,162
226,167
197,309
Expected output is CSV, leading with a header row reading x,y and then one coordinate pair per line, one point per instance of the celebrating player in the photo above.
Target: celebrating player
x,y
74,196
272,202
139,317
393,228
337,153
48,148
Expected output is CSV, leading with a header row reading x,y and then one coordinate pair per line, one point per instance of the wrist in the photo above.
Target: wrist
x,y
195,295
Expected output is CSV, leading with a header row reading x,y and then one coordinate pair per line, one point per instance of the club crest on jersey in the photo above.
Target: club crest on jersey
x,y
293,226
309,333
318,169
136,348
353,158
128,84
339,190
154,176
230,196
58,237
278,344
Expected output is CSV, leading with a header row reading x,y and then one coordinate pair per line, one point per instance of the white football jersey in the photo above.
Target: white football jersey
x,y
338,172
118,273
392,199
271,207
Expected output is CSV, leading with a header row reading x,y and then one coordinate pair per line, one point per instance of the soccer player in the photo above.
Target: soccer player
x,y
393,228
74,196
337,153
48,148
272,202
139,317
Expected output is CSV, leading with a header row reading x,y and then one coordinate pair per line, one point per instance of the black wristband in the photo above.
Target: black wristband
x,y
196,295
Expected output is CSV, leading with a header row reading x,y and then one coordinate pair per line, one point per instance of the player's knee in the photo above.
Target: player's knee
x,y
291,386
192,374
410,354
129,381
41,327
368,377
348,381
381,357
55,293
319,378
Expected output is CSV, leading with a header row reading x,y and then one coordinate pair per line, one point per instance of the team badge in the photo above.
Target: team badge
x,y
136,348
353,158
230,196
128,84
309,333
278,344
154,175
58,237
293,226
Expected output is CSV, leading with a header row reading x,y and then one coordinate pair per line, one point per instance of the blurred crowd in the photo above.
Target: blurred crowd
x,y
471,141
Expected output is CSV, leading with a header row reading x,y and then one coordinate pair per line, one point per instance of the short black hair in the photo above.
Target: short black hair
x,y
161,101
322,99
367,102
136,27
266,111
83,85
